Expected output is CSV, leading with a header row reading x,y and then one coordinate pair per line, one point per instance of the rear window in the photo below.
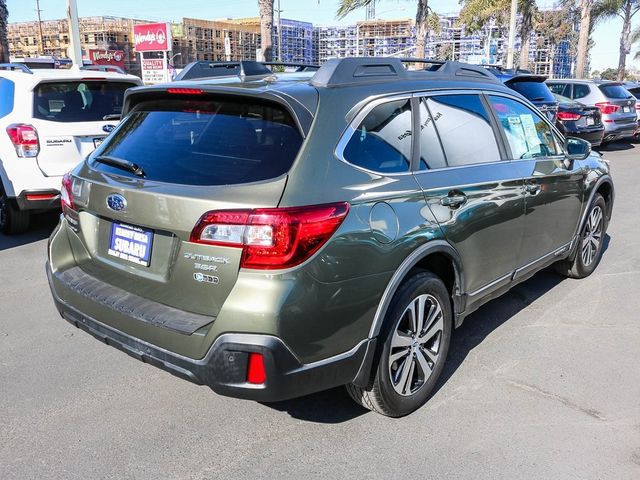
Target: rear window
x,y
533,91
217,141
614,91
87,101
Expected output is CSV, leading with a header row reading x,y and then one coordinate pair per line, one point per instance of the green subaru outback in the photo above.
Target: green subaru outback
x,y
275,235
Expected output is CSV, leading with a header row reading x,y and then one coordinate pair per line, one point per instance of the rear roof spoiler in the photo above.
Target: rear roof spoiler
x,y
353,70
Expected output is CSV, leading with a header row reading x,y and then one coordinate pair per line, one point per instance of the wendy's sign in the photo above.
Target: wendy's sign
x,y
152,37
107,57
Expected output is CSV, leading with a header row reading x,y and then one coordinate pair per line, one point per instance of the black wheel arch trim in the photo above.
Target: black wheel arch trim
x,y
424,250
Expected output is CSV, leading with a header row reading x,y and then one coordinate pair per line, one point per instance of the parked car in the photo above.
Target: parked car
x,y
532,87
634,89
51,119
279,237
578,120
617,105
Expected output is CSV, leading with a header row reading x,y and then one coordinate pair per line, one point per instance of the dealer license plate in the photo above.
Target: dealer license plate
x,y
131,243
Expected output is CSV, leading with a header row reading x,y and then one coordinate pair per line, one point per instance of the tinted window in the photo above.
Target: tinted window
x,y
86,101
533,91
635,92
614,91
217,141
560,88
580,90
431,155
528,135
382,142
7,90
464,129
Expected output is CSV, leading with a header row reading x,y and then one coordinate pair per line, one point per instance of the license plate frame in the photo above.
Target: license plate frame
x,y
134,246
590,121
626,109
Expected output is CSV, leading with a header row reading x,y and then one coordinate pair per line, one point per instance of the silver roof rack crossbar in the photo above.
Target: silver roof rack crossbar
x,y
351,70
15,66
242,69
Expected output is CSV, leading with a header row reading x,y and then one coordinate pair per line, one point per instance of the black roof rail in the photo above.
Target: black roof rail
x,y
15,66
103,68
350,70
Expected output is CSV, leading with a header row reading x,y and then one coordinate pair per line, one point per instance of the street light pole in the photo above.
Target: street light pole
x,y
512,33
75,48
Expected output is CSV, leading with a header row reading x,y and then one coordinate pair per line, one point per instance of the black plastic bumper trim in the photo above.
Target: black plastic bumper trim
x,y
224,367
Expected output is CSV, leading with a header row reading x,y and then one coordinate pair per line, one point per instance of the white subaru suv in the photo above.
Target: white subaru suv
x,y
50,119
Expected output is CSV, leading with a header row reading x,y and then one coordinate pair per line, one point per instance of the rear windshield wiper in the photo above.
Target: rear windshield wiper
x,y
121,163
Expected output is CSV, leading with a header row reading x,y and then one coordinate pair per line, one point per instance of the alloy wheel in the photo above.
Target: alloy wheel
x,y
415,345
592,236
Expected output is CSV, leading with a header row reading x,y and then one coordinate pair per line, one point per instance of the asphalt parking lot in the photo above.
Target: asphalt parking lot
x,y
541,383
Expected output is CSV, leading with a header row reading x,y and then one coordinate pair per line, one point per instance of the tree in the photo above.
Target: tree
x,y
422,19
552,27
625,9
475,14
4,43
583,37
265,8
635,38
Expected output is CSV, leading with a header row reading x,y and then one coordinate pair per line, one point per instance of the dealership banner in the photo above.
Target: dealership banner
x,y
107,57
152,37
154,70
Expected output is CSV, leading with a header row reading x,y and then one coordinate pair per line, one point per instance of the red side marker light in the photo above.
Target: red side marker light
x,y
40,196
255,371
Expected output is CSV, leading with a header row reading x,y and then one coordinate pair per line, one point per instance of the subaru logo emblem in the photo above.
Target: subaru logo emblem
x,y
116,202
108,128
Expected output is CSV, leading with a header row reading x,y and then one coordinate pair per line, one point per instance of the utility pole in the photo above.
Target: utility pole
x,y
370,13
38,11
279,33
512,33
75,47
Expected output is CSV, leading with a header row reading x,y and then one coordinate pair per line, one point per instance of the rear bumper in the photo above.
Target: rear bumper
x,y
224,367
614,131
593,136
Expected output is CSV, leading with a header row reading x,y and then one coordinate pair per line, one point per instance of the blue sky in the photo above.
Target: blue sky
x,y
321,12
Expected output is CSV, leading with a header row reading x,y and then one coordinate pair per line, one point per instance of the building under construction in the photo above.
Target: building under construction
x,y
51,38
297,41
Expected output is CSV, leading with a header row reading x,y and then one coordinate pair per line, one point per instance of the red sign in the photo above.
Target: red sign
x,y
152,37
107,57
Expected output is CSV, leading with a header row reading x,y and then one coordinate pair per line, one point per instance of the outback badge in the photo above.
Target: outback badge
x,y
116,202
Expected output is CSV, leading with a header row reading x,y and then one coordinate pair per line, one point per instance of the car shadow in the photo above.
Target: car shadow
x,y
617,146
41,227
335,405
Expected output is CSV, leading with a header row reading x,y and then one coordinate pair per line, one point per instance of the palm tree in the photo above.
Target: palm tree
x,y
4,44
475,14
635,38
422,19
265,7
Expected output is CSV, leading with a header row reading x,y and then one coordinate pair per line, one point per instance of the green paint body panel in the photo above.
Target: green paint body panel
x,y
329,304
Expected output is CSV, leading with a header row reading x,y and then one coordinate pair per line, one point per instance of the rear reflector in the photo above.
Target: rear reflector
x,y
24,139
568,116
40,196
184,91
271,238
255,370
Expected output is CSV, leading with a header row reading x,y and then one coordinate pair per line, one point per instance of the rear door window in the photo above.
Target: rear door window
x,y
580,90
563,89
213,141
614,91
533,91
86,101
382,141
464,129
528,135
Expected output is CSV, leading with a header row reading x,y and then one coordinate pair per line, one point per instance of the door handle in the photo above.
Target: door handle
x,y
453,201
532,188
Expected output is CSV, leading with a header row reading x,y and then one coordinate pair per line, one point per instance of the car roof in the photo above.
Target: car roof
x,y
31,78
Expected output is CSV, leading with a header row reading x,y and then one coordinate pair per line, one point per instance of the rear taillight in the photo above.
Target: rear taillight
x,y
24,139
607,108
66,193
271,238
568,116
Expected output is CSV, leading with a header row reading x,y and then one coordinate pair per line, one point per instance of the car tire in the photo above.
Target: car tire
x,y
12,219
590,242
412,356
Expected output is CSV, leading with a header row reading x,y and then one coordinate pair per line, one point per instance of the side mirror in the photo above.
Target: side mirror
x,y
576,148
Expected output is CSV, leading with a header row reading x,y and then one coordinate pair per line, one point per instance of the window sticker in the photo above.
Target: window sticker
x,y
530,134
